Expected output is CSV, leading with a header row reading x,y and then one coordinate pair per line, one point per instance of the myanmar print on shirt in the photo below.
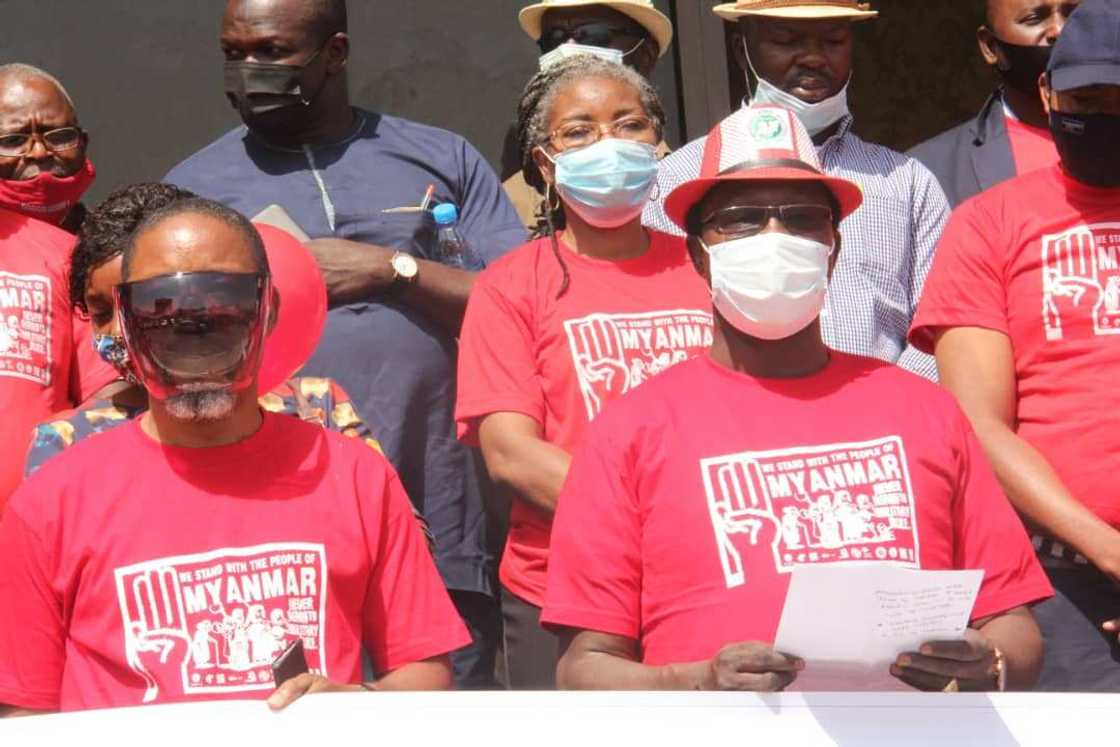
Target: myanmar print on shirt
x,y
1081,279
614,353
835,503
25,327
213,622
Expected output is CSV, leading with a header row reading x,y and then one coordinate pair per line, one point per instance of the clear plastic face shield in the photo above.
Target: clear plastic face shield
x,y
192,331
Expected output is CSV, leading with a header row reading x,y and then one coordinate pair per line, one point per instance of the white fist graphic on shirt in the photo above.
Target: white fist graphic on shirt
x,y
1081,279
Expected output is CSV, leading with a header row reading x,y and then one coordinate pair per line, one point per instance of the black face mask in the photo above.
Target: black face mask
x,y
260,89
1087,145
1024,65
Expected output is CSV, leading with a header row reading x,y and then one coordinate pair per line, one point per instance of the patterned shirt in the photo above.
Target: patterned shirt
x,y
311,399
887,247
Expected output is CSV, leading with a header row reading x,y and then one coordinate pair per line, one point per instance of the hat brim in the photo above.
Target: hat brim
x,y
731,12
1079,76
651,19
681,200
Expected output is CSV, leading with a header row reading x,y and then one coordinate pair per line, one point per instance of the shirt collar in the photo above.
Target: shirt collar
x,y
833,141
360,122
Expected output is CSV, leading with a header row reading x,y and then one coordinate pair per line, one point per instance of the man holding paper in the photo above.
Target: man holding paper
x,y
695,497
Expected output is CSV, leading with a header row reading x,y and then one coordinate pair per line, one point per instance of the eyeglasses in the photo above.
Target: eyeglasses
x,y
581,134
17,144
597,34
749,220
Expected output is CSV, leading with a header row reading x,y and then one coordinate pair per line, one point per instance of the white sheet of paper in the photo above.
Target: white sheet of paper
x,y
850,621
278,217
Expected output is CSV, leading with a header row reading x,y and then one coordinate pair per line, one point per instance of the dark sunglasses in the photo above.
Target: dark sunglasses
x,y
191,301
595,34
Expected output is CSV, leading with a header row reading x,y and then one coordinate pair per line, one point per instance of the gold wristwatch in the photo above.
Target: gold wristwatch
x,y
405,267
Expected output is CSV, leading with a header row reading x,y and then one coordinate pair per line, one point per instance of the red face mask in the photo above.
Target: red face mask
x,y
46,196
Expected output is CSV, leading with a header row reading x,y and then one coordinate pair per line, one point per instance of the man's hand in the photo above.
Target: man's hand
x,y
971,662
752,666
305,684
356,272
352,271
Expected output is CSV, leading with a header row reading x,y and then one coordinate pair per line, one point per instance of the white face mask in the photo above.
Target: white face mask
x,y
816,117
770,286
571,49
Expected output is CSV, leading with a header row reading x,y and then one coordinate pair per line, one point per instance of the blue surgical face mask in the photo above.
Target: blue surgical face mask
x,y
816,117
112,350
609,182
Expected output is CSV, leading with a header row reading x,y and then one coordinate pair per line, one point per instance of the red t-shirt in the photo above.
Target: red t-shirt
x,y
1032,147
46,361
1036,258
138,573
692,500
560,360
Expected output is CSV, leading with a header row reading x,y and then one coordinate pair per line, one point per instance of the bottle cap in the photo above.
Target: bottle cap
x,y
445,214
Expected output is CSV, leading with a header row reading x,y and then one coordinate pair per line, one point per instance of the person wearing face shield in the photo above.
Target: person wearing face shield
x,y
572,320
692,499
361,184
1022,309
95,269
207,503
1011,133
798,54
629,32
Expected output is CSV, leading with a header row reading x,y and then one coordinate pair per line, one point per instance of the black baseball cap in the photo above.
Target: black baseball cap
x,y
1088,51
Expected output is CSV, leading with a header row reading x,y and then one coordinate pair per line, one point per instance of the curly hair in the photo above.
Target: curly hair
x,y
532,124
108,227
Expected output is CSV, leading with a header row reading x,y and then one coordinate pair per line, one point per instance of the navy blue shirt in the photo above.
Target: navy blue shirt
x,y
397,364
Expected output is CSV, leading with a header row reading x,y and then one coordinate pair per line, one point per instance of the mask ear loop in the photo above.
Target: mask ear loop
x,y
303,68
751,92
550,204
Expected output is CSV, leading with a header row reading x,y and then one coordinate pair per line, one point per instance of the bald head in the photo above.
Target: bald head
x,y
33,102
193,235
15,73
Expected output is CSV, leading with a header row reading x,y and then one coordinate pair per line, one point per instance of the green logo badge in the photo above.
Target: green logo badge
x,y
767,127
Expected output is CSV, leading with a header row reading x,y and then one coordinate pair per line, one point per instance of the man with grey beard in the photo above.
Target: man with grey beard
x,y
205,503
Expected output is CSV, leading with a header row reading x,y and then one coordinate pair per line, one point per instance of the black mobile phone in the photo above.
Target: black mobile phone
x,y
289,663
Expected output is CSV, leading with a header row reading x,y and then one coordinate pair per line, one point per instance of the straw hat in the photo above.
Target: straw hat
x,y
642,11
759,143
805,10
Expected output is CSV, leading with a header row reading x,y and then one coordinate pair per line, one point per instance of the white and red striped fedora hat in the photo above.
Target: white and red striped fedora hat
x,y
759,143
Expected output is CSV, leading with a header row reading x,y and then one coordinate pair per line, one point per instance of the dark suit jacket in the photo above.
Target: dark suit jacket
x,y
972,156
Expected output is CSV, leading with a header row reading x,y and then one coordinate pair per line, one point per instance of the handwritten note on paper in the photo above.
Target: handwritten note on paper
x,y
850,621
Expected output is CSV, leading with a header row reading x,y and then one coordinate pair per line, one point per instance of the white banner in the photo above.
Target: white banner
x,y
544,719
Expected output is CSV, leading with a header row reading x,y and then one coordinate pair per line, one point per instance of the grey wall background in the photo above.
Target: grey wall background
x,y
147,74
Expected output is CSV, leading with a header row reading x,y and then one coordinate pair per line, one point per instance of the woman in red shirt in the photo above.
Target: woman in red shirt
x,y
585,312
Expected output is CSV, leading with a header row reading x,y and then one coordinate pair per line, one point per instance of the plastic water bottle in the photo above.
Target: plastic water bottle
x,y
453,248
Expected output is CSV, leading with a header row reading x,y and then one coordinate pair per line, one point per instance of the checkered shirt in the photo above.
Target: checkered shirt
x,y
887,244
